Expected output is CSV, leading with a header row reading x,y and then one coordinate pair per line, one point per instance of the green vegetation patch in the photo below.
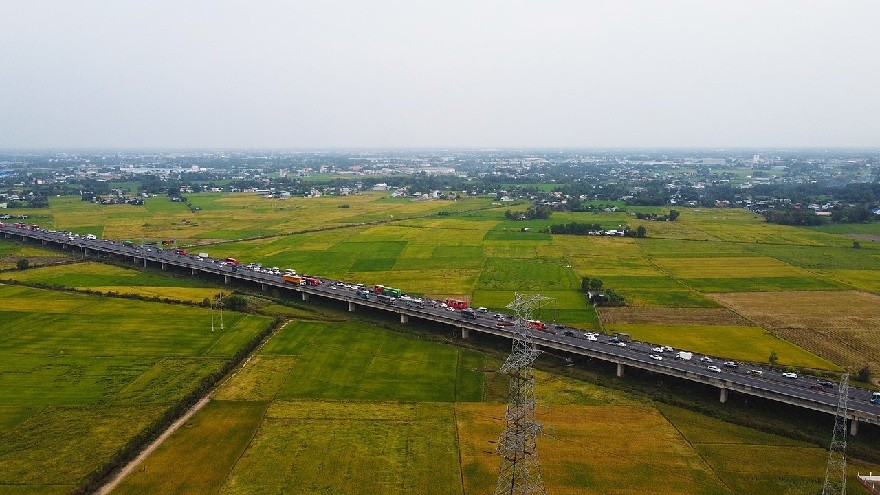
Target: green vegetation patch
x,y
197,458
527,275
61,445
353,448
763,284
752,344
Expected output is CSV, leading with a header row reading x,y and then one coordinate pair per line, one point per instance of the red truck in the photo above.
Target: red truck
x,y
231,261
313,281
180,251
456,303
536,324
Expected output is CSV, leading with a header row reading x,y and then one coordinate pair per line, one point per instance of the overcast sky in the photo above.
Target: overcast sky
x,y
447,73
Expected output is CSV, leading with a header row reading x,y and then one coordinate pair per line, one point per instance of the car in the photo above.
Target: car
x,y
450,308
657,349
730,364
591,337
568,333
826,383
705,359
755,372
818,387
714,369
790,375
504,324
655,357
620,344
481,309
667,348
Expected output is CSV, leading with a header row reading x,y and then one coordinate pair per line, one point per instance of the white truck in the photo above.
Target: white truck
x,y
684,355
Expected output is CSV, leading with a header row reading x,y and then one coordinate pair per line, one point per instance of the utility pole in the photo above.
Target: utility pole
x,y
835,472
520,472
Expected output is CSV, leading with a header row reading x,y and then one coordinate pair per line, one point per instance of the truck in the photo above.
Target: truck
x,y
382,298
623,337
180,251
875,398
293,279
231,261
391,291
313,281
469,313
128,243
684,355
378,289
456,303
536,324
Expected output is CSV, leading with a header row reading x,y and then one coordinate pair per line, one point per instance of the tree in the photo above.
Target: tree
x,y
235,302
773,359
641,231
22,264
673,214
864,374
588,284
857,245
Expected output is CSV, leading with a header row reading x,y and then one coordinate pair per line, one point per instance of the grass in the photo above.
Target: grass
x,y
743,343
81,375
213,439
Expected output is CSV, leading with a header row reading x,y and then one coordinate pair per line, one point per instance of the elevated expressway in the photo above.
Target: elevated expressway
x,y
770,385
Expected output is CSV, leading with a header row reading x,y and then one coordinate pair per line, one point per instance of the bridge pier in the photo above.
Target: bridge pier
x,y
404,318
263,287
853,427
163,265
620,369
86,253
305,296
723,395
465,332
225,279
145,262
44,242
192,271
351,305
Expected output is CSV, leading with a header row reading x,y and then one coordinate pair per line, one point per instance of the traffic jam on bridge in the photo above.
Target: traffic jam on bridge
x,y
787,386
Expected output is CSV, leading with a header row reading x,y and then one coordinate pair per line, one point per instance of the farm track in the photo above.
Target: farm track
x,y
119,476
331,227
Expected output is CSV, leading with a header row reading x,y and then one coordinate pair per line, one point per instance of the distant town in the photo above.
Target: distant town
x,y
803,187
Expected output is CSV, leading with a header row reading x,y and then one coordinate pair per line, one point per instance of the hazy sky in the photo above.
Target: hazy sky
x,y
446,73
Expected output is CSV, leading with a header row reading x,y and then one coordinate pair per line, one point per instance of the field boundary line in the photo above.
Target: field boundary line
x,y
691,445
125,471
458,447
120,475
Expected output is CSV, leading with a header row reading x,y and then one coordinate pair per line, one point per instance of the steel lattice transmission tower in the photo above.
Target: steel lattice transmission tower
x,y
520,473
835,472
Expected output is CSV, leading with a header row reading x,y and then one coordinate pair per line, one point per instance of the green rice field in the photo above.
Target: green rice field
x,y
82,375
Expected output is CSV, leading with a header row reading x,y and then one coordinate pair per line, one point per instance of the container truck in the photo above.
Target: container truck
x,y
684,355
293,279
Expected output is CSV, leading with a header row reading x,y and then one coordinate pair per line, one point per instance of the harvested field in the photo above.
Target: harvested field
x,y
840,325
671,316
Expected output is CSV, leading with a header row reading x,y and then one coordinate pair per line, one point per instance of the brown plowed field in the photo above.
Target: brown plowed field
x,y
842,326
671,316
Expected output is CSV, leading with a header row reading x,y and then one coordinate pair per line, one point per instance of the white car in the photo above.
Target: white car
x,y
591,337
705,359
714,369
790,375
657,349
656,357
620,344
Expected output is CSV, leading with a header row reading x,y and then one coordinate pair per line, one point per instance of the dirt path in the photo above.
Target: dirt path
x,y
118,477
